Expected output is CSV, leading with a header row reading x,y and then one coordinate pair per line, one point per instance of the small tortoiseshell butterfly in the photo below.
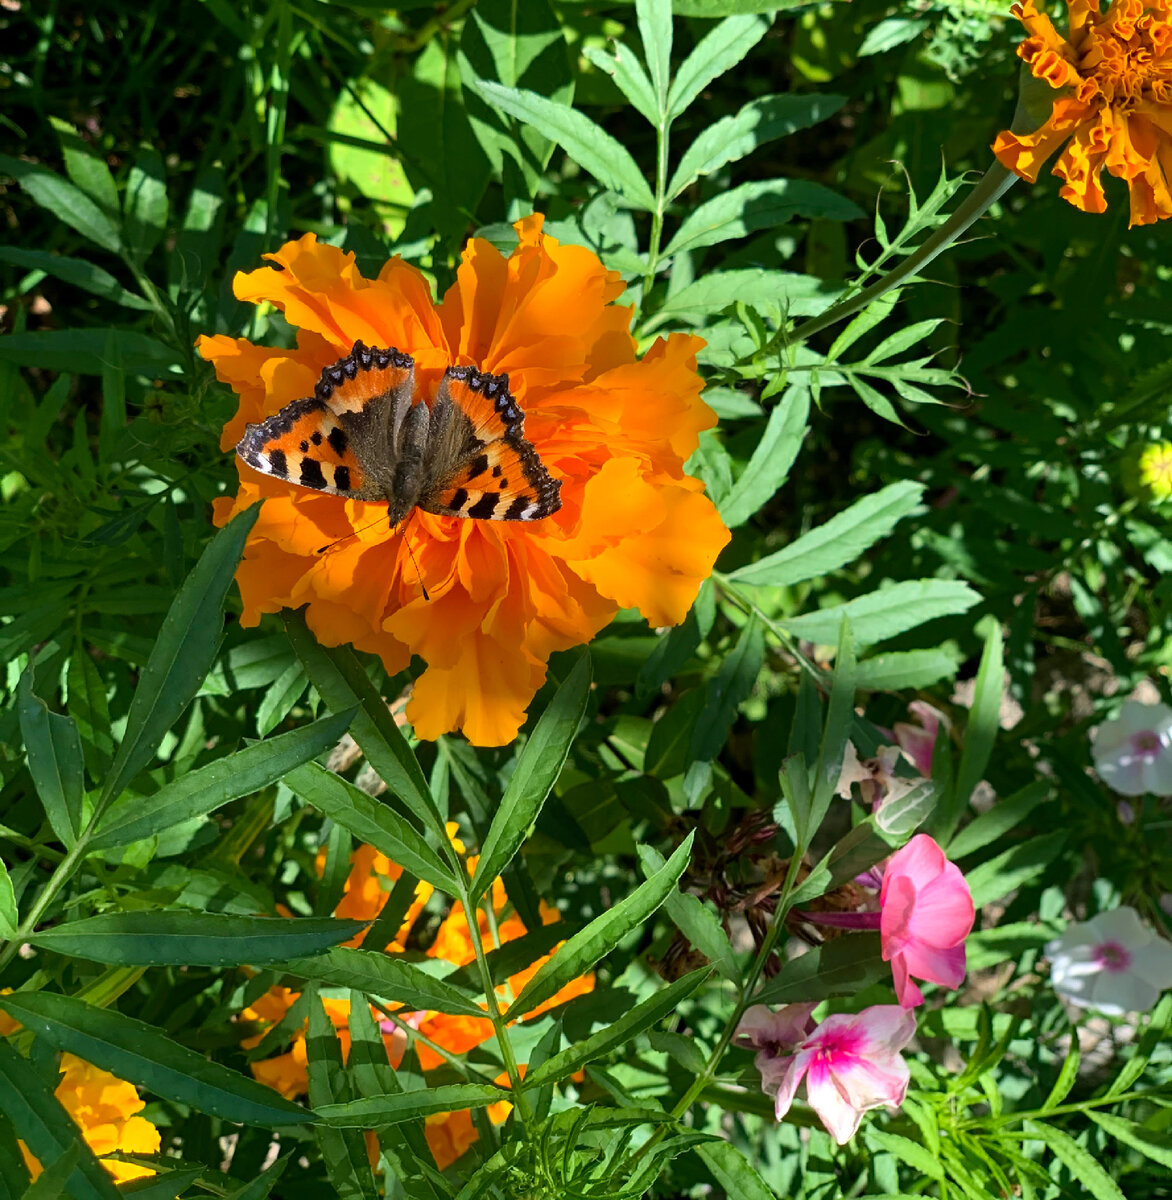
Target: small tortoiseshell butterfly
x,y
362,435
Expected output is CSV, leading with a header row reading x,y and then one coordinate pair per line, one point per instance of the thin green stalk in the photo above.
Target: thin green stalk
x,y
996,181
663,131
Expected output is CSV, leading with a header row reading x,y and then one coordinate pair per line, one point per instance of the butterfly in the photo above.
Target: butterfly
x,y
363,435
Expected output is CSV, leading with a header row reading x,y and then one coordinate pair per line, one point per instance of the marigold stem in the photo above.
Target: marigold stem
x,y
996,181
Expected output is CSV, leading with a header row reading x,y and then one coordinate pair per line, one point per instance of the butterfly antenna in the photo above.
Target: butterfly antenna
x,y
352,534
418,573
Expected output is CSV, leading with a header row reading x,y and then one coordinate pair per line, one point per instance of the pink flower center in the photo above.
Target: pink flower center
x,y
1111,956
1146,743
837,1044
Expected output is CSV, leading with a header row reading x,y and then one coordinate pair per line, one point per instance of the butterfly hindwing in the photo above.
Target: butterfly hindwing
x,y
479,463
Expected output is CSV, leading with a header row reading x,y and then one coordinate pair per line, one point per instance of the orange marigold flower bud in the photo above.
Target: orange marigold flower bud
x,y
1113,108
632,531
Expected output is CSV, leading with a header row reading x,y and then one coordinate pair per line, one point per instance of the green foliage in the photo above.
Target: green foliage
x,y
930,497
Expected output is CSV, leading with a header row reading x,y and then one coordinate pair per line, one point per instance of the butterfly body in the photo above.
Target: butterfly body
x,y
364,435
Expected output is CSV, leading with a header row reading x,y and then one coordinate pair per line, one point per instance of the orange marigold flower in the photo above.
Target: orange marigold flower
x,y
1113,75
633,531
104,1108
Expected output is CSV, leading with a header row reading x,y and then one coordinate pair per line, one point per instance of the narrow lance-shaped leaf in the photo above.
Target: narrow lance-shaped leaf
x,y
140,1054
385,976
183,653
838,542
145,203
839,968
397,1107
202,791
536,772
65,201
588,945
840,713
46,1128
717,52
624,67
654,20
55,760
588,145
371,821
733,1172
193,938
643,1016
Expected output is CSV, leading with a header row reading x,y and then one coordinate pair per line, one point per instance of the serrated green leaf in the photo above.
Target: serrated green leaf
x,y
717,52
140,1054
838,542
185,650
733,1172
888,611
588,145
772,459
624,67
755,206
194,939
1151,1143
653,18
1080,1162
208,788
396,1107
907,1151
588,945
643,1016
537,771
371,821
905,669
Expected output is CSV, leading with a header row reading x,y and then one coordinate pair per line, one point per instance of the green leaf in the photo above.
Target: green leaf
x,y
45,1127
888,611
755,206
75,271
261,1187
905,669
588,145
86,167
1005,815
839,968
206,789
733,1172
643,1016
65,201
371,821
185,649
140,1054
839,541
891,32
717,52
145,204
624,67
1081,1163
907,1151
980,734
386,976
778,293
654,20
9,914
1067,1078
279,698
727,690
55,761
1014,867
698,923
168,1186
51,1183
1149,1142
588,945
536,772
342,683
193,938
83,351
397,1107
762,120
772,459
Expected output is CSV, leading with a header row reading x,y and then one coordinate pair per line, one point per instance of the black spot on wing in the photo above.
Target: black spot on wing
x,y
459,499
483,509
315,437
517,508
338,440
278,464
478,466
342,478
311,473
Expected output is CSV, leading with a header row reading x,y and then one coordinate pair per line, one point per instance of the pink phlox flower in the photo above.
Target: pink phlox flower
x,y
1113,962
875,778
851,1063
774,1035
926,912
919,741
1133,751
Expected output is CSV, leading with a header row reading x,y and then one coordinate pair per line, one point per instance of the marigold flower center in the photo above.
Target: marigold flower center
x,y
1125,55
1111,956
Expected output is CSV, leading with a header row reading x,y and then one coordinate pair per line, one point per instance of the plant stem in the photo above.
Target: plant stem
x,y
662,142
996,181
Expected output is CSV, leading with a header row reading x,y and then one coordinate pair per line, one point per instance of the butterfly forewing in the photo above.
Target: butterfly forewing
x,y
480,464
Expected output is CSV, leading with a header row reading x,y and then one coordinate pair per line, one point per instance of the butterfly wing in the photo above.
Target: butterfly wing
x,y
340,439
479,464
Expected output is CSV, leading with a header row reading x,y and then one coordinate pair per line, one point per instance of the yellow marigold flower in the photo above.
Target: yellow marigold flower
x,y
104,1109
633,530
1155,470
1113,76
